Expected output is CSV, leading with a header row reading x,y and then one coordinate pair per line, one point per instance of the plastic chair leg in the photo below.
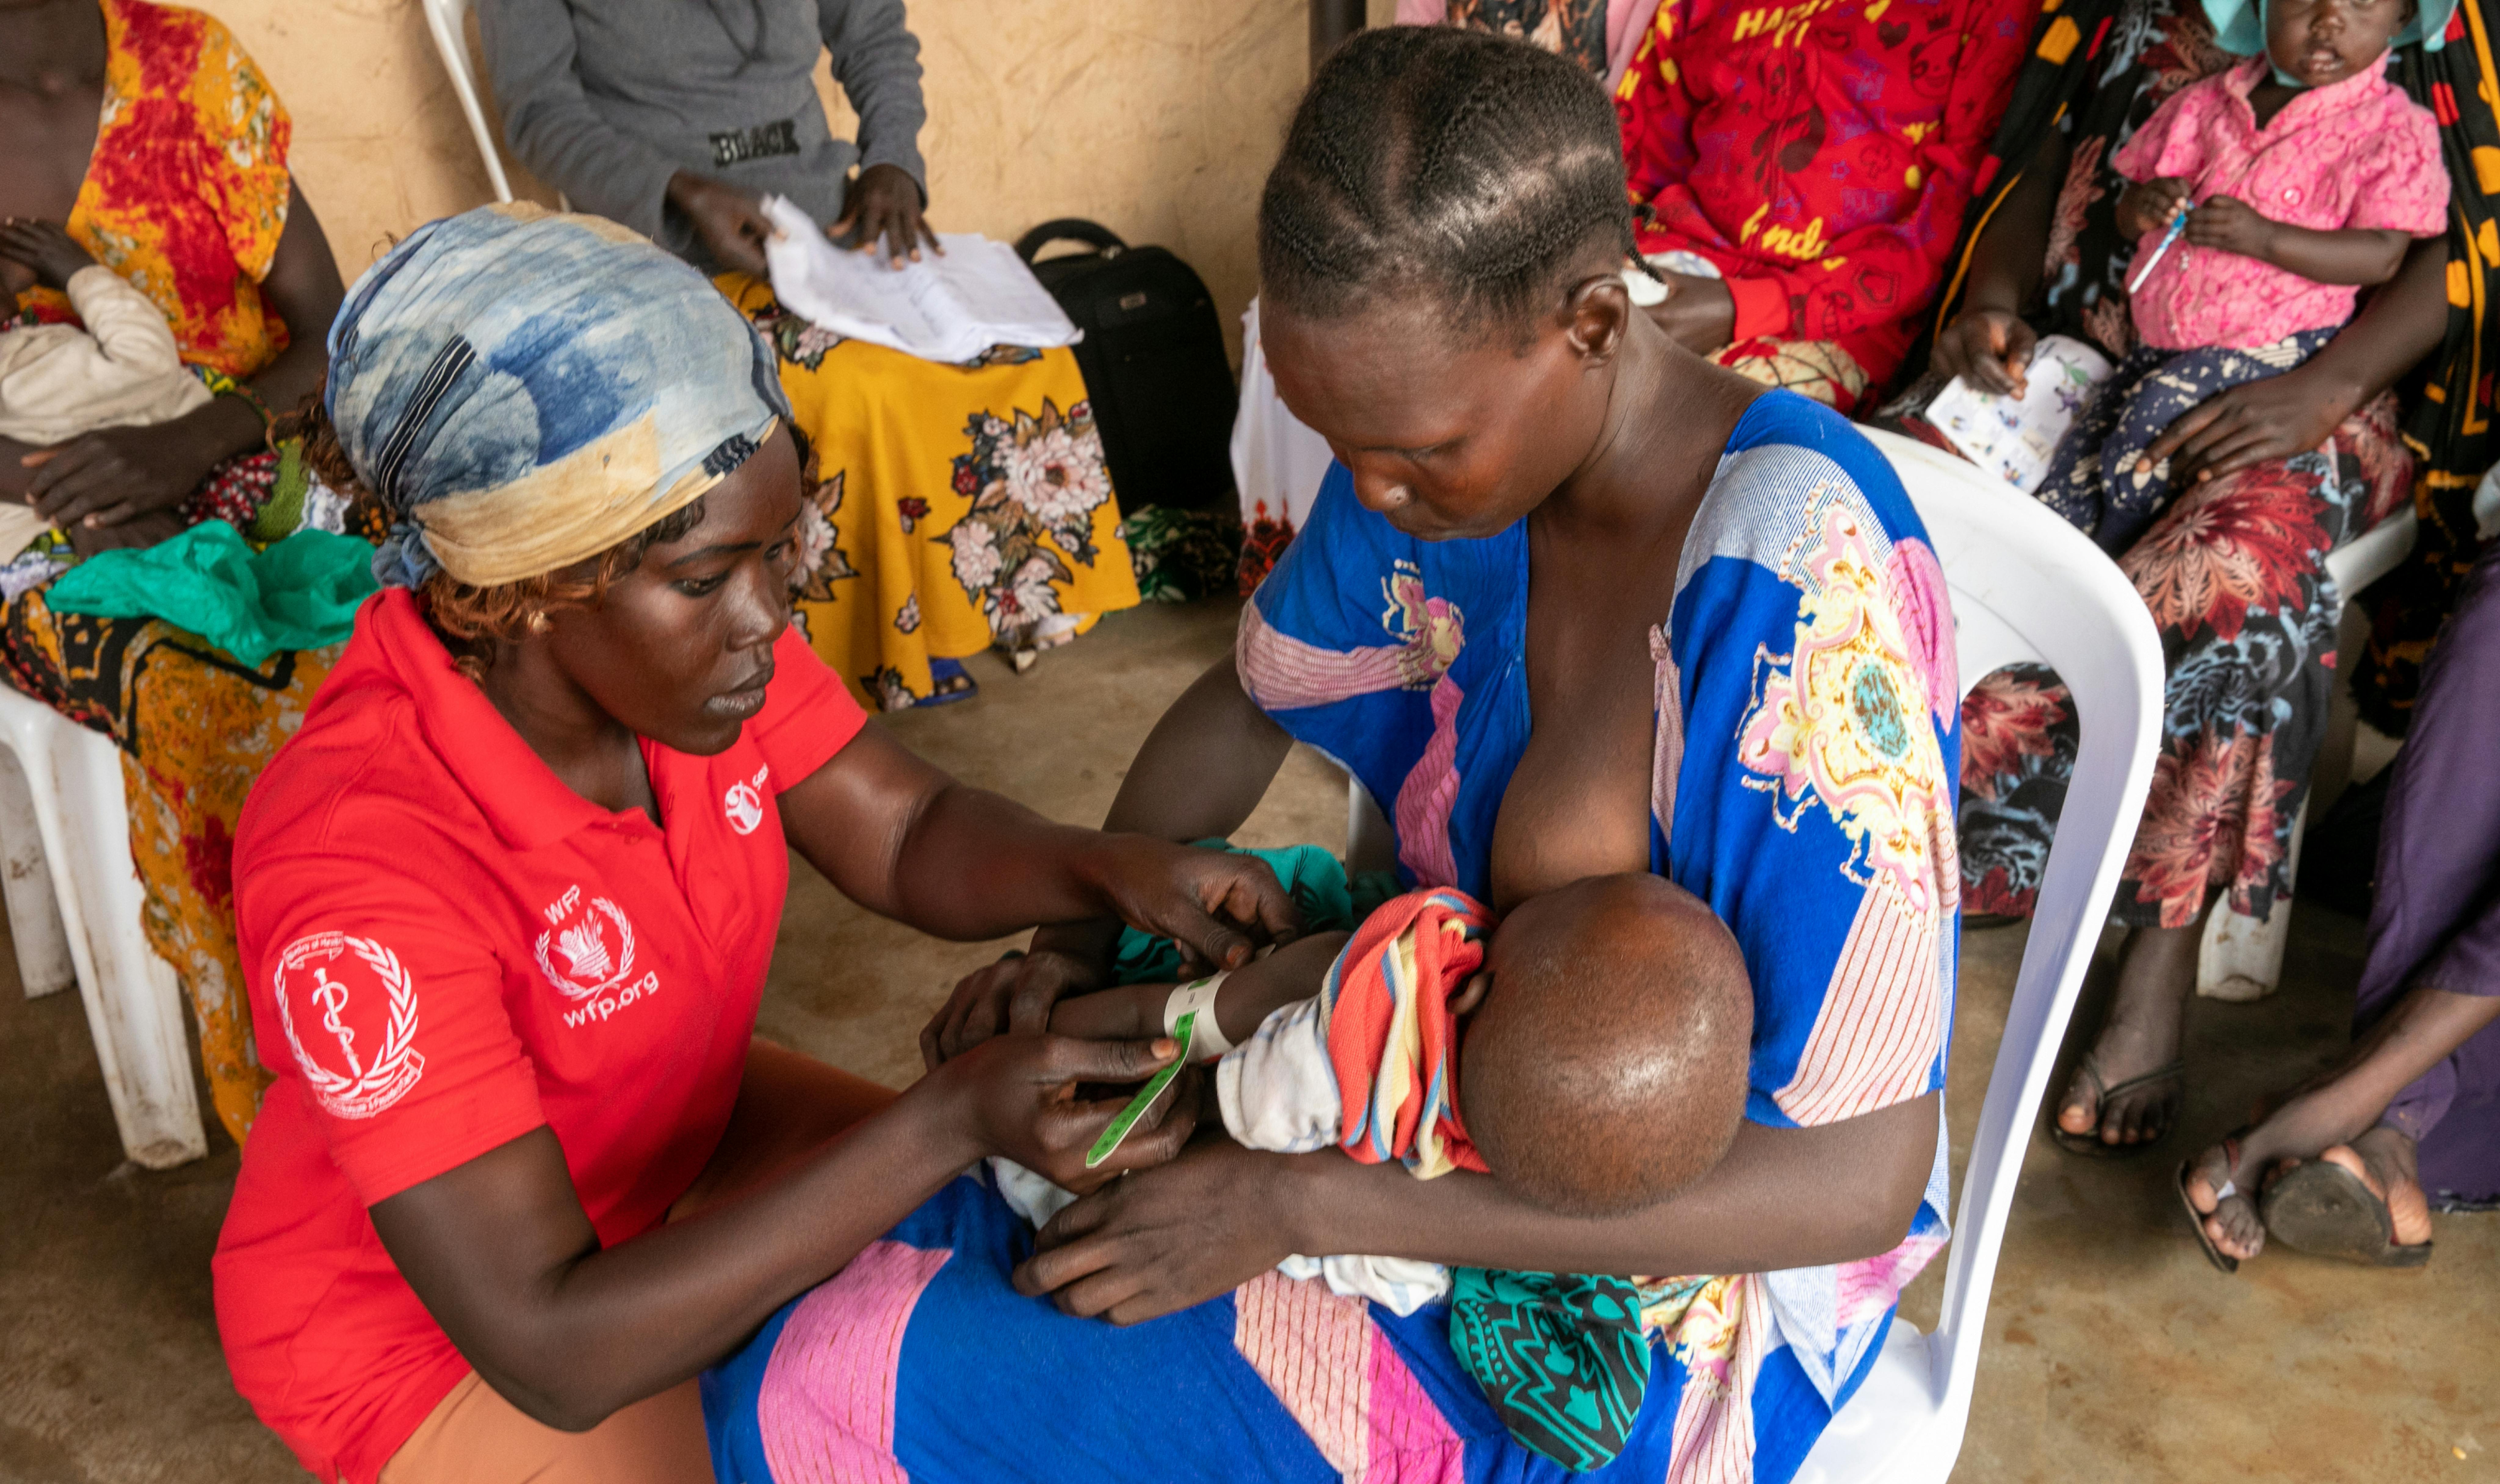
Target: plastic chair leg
x,y
35,927
133,1002
2241,958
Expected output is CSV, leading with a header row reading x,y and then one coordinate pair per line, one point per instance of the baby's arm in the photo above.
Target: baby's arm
x,y
1246,998
2357,255
130,332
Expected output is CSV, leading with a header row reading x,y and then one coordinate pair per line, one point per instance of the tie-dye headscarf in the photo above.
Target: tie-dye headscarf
x,y
524,390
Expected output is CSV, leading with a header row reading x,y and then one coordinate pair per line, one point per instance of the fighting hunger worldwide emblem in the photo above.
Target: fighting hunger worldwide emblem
x,y
366,1026
591,940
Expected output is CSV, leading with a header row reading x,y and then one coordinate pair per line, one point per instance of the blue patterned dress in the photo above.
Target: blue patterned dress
x,y
1806,746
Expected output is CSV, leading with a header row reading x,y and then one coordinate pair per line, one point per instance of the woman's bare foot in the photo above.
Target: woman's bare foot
x,y
2335,1116
2384,1158
2316,1123
2140,1037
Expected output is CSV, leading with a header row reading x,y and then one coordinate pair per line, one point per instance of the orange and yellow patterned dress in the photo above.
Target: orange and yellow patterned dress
x,y
185,197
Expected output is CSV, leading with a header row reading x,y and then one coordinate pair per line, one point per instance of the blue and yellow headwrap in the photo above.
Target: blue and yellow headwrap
x,y
2239,25
524,390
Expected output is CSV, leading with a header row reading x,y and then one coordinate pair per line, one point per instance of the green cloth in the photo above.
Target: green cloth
x,y
1317,881
301,592
1561,1357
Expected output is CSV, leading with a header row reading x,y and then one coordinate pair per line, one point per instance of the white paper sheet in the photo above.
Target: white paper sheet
x,y
2014,437
949,307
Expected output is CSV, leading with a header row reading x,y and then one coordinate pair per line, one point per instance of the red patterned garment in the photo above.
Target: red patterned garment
x,y
1818,155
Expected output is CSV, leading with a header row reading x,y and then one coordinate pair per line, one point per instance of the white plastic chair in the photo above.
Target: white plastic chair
x,y
448,20
74,904
2241,957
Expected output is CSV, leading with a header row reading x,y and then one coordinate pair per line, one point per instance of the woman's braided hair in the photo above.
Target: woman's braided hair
x,y
1463,164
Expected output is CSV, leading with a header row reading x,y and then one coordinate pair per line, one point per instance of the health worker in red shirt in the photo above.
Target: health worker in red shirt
x,y
507,901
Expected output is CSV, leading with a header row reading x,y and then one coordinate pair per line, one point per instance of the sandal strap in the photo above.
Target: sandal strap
x,y
2175,1071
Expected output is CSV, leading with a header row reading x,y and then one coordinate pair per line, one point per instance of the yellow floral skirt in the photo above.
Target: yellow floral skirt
x,y
952,508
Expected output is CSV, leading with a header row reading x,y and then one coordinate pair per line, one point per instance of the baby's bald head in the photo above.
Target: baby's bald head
x,y
1606,1067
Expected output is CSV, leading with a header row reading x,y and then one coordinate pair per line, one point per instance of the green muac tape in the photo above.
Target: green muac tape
x,y
1118,1132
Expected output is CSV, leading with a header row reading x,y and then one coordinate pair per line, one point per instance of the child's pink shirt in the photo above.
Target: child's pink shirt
x,y
2353,154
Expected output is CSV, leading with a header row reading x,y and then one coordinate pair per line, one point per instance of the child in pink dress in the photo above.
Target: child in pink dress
x,y
2302,174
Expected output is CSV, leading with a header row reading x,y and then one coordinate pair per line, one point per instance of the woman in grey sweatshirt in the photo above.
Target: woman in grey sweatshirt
x,y
676,116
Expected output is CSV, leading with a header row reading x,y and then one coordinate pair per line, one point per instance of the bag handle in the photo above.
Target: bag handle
x,y
1071,229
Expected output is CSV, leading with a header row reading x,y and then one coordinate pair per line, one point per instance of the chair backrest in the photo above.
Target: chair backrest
x,y
448,20
2026,585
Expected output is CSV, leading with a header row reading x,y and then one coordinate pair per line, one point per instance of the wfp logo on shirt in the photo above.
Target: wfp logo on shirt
x,y
593,940
743,803
357,1045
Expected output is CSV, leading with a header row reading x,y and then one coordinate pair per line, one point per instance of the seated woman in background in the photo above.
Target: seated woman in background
x,y
2272,475
1802,172
148,134
1577,604
952,508
2352,1163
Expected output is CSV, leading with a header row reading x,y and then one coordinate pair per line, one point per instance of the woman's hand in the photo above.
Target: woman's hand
x,y
1016,992
136,534
2228,224
2148,205
2248,424
883,204
1698,312
1990,349
729,223
45,247
1017,1096
1203,1225
1217,906
116,475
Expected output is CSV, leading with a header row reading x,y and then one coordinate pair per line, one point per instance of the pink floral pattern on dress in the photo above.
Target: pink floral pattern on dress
x,y
1843,717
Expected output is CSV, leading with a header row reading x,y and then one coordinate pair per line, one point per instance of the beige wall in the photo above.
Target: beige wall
x,y
1156,117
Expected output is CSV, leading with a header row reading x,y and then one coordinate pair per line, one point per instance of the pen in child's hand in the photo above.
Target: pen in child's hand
x,y
2178,224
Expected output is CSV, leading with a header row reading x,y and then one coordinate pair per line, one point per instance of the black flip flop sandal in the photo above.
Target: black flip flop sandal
x,y
2222,1260
2327,1211
2091,1144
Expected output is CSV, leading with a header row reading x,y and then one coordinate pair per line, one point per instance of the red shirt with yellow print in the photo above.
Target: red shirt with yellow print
x,y
1819,153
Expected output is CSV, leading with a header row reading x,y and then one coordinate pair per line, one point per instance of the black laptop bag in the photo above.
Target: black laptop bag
x,y
1154,364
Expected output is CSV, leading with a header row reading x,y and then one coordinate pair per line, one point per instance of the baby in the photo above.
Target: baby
x,y
59,380
1591,1057
2263,196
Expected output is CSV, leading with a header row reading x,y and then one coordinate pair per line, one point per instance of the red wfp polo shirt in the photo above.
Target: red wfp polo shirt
x,y
445,949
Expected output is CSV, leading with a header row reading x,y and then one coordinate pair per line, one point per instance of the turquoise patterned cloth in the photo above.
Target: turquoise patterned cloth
x,y
1561,1357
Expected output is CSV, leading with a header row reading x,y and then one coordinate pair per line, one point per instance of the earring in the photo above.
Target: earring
x,y
539,623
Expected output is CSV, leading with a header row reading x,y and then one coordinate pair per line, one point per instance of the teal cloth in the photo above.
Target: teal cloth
x,y
1561,1357
1329,900
301,592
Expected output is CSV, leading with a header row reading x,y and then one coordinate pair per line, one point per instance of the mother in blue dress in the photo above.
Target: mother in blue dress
x,y
1573,602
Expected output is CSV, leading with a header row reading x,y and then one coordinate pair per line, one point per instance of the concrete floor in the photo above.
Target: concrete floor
x,y
2113,1351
